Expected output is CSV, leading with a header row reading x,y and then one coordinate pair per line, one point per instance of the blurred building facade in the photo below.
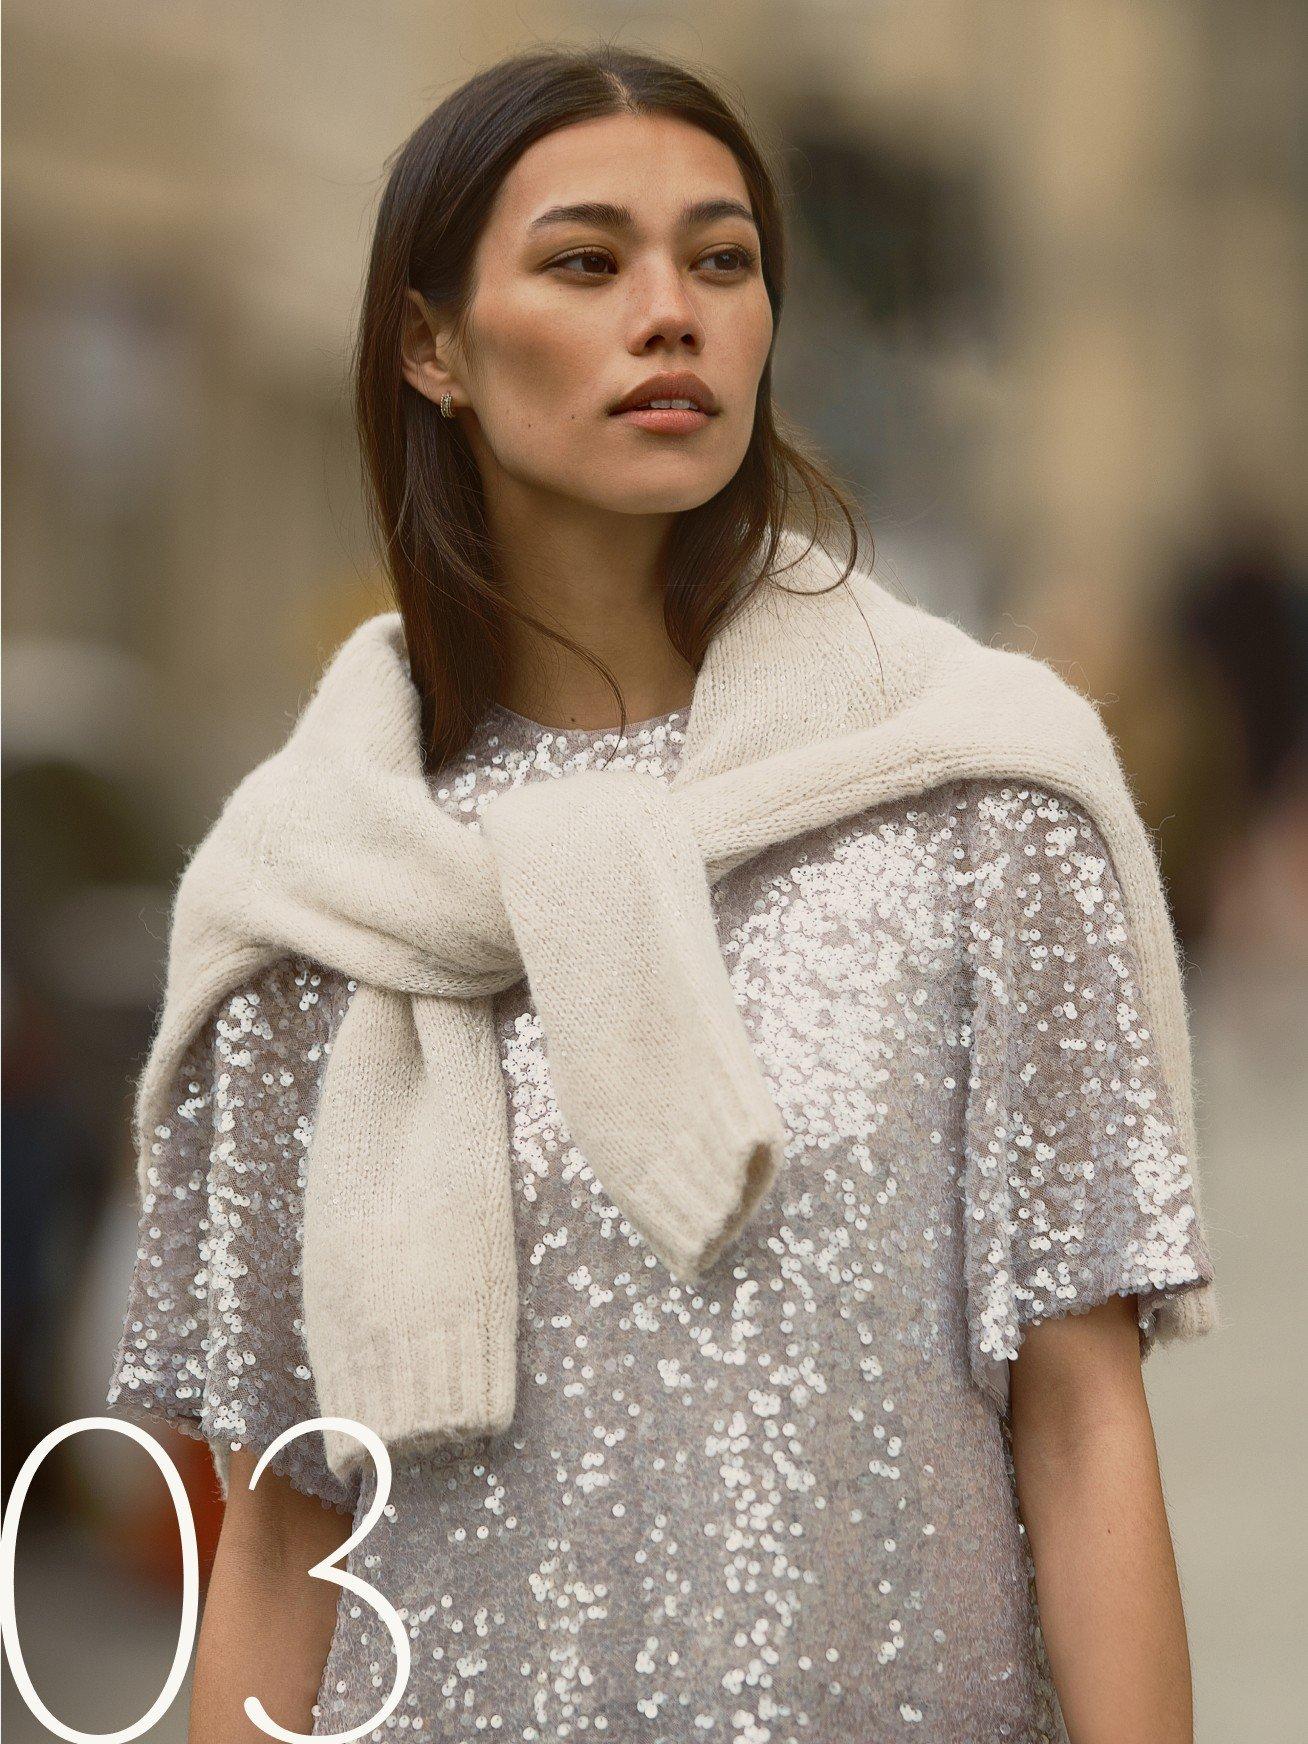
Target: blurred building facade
x,y
1062,245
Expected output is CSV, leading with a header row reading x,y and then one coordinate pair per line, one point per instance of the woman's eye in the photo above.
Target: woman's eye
x,y
582,254
738,258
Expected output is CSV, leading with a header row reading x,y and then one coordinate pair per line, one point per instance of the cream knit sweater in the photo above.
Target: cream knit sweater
x,y
810,706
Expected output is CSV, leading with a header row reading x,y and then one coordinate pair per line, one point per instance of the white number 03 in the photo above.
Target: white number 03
x,y
324,1570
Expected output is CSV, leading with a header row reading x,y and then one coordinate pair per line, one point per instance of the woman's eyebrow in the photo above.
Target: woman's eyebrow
x,y
621,218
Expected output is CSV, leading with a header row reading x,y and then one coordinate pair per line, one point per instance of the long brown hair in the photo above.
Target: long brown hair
x,y
422,483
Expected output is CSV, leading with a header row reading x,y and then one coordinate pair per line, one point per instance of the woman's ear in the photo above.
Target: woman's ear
x,y
425,350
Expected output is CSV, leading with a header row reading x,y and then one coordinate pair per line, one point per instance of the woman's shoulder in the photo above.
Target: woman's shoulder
x,y
1023,843
1039,882
1007,812
983,833
991,818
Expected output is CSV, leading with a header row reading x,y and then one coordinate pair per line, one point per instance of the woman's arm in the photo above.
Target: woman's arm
x,y
1091,1499
267,1626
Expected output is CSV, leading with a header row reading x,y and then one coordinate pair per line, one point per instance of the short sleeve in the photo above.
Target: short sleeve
x,y
213,1338
1076,1184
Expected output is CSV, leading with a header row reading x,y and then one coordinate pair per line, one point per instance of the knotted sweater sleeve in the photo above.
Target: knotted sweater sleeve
x,y
213,1340
1076,1183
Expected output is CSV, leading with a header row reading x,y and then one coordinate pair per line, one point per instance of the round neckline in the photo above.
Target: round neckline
x,y
527,724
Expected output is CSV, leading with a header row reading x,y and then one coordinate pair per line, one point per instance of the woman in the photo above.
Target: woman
x,y
764,1498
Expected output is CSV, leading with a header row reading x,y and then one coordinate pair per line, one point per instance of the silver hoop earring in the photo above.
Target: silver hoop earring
x,y
447,405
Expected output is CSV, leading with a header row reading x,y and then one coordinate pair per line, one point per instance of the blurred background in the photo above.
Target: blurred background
x,y
1047,318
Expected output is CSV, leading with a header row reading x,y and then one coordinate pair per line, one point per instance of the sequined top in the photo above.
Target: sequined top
x,y
774,1506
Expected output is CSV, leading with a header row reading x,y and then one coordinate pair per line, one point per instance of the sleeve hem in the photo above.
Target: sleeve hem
x,y
1156,1320
1098,1290
150,1412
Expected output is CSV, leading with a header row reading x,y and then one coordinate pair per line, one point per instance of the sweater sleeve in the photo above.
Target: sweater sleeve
x,y
213,1339
1076,1184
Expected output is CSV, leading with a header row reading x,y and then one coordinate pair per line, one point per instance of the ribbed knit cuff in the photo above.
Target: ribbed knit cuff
x,y
444,1386
699,1189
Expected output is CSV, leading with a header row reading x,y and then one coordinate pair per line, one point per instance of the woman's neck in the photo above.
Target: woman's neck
x,y
599,582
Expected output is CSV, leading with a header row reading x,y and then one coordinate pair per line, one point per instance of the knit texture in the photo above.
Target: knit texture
x,y
814,703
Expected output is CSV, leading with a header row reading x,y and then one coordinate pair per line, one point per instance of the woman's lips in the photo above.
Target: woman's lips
x,y
672,421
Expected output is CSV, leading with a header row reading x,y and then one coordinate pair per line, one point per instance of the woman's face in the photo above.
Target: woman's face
x,y
572,310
